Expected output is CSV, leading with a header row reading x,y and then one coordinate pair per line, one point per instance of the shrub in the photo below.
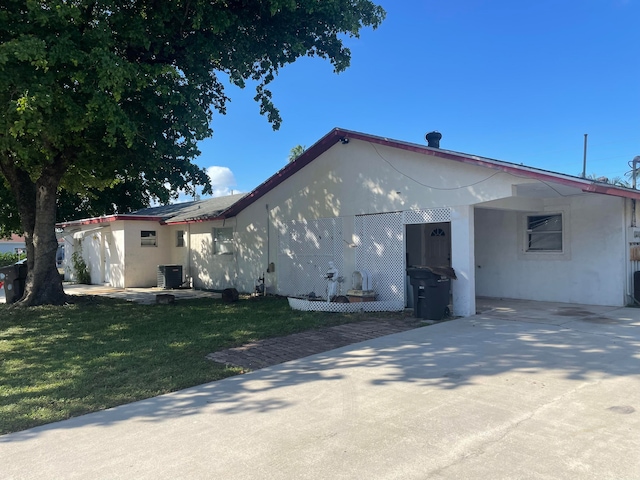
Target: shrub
x,y
10,258
80,268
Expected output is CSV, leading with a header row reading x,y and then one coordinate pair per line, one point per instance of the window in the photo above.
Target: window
x,y
223,241
544,233
180,238
148,238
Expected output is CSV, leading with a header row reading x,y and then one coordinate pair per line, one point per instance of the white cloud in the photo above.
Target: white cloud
x,y
222,179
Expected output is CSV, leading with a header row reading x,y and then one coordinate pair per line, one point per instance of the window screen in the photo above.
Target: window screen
x,y
223,241
544,233
148,238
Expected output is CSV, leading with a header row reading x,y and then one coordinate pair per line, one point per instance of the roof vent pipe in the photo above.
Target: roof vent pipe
x,y
433,139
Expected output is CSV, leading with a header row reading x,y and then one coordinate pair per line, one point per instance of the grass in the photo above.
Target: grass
x,y
60,362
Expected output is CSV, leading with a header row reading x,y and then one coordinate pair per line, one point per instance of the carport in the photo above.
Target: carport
x,y
553,243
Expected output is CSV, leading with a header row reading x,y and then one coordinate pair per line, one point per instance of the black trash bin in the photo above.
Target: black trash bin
x,y
14,278
431,287
22,278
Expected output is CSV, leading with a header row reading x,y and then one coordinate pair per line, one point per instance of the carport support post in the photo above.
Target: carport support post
x,y
463,261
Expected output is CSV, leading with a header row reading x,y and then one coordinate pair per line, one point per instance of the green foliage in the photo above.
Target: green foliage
x,y
97,96
59,362
123,91
11,258
80,268
617,181
296,152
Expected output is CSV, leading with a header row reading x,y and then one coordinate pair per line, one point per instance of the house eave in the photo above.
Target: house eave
x,y
196,220
107,219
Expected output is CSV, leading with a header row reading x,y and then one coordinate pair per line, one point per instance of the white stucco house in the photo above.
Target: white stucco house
x,y
374,204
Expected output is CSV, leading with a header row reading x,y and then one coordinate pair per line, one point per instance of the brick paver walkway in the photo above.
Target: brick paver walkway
x,y
273,351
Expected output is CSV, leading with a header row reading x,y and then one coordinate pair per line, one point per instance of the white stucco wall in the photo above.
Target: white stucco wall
x,y
211,271
357,179
360,179
116,265
141,262
179,255
590,271
91,252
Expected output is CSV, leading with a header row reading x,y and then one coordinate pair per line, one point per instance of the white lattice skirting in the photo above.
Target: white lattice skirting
x,y
309,306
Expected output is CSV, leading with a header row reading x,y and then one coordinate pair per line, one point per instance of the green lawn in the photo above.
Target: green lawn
x,y
60,362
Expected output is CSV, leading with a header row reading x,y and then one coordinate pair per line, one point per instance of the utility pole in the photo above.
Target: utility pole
x,y
634,171
584,158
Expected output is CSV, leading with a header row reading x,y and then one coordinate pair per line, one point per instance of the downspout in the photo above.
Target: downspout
x,y
630,237
189,255
264,285
627,250
268,238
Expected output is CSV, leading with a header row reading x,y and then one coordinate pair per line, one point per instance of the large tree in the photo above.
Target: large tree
x,y
100,93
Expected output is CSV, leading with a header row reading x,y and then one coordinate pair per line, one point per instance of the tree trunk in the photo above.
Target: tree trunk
x,y
44,284
37,208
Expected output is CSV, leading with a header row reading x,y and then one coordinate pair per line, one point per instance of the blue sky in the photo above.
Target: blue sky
x,y
511,80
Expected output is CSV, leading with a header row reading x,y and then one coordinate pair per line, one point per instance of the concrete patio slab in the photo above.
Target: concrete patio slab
x,y
138,295
546,395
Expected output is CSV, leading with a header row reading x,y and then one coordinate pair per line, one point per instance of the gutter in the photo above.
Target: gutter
x,y
110,218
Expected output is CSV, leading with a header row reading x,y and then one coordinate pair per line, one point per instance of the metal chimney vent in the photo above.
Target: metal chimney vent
x,y
433,139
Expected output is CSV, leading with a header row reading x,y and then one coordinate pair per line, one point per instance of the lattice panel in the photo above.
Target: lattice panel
x,y
380,251
431,215
305,250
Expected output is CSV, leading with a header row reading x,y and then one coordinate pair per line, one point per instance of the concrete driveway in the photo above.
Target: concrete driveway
x,y
522,390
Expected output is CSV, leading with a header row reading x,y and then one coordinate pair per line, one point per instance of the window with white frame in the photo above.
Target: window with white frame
x,y
180,238
223,241
544,233
148,238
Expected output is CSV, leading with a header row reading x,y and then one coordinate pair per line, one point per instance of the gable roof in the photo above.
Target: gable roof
x,y
341,135
219,208
185,212
204,209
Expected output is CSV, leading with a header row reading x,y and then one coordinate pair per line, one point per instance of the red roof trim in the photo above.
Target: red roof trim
x,y
110,218
194,220
588,186
302,161
337,134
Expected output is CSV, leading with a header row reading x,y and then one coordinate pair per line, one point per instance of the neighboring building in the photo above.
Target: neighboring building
x,y
125,250
15,244
373,204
